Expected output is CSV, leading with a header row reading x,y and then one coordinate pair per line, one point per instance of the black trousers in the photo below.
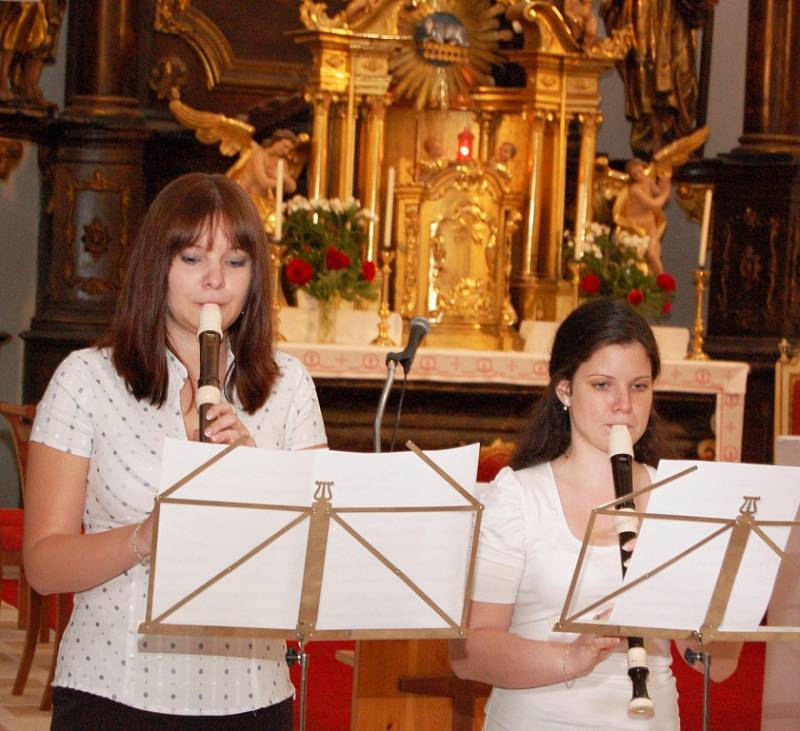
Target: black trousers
x,y
75,710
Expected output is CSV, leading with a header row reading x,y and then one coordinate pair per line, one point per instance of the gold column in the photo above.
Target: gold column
x,y
373,164
318,164
533,220
583,213
552,259
337,147
345,146
485,125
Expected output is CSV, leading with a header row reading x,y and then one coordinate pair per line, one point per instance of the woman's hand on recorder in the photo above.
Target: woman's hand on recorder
x,y
586,652
223,426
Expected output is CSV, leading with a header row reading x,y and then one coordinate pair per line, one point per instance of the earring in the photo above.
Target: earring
x,y
565,406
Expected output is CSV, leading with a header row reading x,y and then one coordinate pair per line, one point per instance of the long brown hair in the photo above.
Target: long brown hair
x,y
591,326
176,219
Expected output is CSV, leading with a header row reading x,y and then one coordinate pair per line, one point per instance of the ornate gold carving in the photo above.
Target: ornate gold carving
x,y
98,183
29,37
464,241
411,223
612,48
750,267
361,16
220,64
168,77
448,49
513,219
691,198
10,155
314,16
748,239
96,238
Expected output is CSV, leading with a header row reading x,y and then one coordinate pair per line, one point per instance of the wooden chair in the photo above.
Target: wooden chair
x,y
20,419
787,390
37,622
493,457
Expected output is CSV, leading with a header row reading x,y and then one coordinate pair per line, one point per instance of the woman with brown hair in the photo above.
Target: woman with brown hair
x,y
95,459
603,367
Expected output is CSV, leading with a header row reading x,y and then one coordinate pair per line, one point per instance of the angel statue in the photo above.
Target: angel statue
x,y
642,191
256,168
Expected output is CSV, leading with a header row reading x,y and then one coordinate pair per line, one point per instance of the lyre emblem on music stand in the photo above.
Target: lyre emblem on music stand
x,y
323,491
749,506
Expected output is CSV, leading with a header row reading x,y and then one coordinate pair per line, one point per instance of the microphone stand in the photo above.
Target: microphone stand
x,y
391,367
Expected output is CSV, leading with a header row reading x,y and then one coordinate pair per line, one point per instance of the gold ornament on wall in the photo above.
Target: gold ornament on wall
x,y
449,49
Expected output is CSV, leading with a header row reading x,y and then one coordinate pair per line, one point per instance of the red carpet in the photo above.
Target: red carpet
x,y
735,704
330,688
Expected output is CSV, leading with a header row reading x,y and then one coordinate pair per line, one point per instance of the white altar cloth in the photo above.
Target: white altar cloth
x,y
725,380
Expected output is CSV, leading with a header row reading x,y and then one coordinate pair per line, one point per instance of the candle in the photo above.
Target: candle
x,y
387,219
278,233
701,259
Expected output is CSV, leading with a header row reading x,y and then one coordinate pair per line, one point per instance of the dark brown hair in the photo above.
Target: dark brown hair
x,y
591,326
181,213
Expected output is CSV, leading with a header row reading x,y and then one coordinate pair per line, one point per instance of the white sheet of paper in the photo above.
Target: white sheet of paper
x,y
679,596
197,541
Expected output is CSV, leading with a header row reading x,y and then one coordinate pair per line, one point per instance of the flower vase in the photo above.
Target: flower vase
x,y
327,315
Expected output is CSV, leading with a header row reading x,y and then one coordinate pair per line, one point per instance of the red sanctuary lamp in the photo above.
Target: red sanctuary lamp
x,y
465,140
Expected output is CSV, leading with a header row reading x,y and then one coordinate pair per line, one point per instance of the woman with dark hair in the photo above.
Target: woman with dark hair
x,y
603,365
95,458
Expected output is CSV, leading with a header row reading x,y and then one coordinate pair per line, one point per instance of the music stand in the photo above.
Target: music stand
x,y
322,525
724,593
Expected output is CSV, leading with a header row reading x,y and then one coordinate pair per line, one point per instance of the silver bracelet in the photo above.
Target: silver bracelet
x,y
135,541
567,683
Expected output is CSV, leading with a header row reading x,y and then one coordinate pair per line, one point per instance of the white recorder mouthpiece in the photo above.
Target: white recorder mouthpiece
x,y
210,319
619,441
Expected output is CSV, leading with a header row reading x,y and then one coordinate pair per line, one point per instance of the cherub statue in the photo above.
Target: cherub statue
x,y
582,20
642,192
256,168
434,158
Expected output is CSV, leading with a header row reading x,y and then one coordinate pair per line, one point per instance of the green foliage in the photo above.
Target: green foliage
x,y
325,242
615,268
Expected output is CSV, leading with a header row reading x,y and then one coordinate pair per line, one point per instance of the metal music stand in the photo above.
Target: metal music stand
x,y
321,525
739,529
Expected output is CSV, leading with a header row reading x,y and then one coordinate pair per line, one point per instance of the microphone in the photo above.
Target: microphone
x,y
209,333
418,328
620,452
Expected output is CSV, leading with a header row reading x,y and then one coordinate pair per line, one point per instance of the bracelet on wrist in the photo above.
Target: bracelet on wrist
x,y
135,545
568,682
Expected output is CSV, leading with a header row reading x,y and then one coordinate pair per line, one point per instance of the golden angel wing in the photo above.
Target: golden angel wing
x,y
233,135
608,186
677,153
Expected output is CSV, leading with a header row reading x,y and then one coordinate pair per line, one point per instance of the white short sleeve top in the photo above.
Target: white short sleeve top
x,y
526,557
88,411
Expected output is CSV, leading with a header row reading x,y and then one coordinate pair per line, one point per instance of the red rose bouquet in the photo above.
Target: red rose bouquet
x,y
614,267
324,242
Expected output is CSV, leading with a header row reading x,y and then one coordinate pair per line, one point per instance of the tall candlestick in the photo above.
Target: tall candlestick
x,y
278,232
701,259
387,218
